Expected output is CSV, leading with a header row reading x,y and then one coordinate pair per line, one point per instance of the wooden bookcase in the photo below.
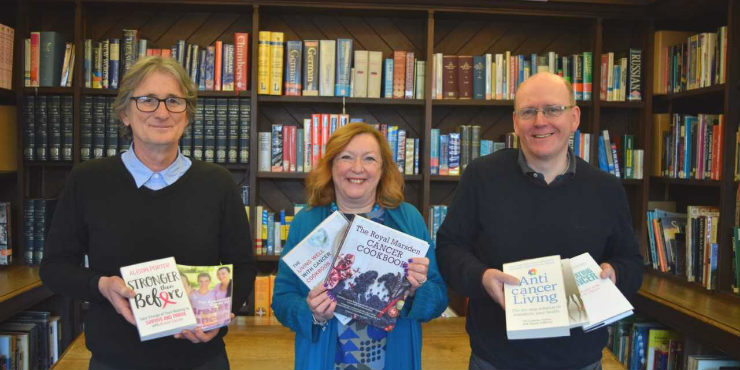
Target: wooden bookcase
x,y
425,27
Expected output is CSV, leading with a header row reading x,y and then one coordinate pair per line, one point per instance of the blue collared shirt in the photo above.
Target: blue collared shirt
x,y
143,176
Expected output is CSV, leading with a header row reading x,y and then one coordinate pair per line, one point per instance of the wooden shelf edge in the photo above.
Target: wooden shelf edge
x,y
17,279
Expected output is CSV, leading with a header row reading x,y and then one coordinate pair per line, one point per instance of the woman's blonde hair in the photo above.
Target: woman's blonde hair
x,y
320,186
139,71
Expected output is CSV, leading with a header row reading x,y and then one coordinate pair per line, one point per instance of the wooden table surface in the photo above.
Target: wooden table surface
x,y
261,343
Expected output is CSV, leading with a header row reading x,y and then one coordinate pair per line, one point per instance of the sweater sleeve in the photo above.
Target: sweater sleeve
x,y
459,266
289,294
66,245
622,251
236,246
430,299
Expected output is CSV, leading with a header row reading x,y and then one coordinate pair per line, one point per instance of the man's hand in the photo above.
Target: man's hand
x,y
607,271
321,303
197,335
493,282
117,293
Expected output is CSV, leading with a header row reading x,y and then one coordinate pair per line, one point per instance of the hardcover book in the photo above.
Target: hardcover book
x,y
209,289
367,276
161,305
537,307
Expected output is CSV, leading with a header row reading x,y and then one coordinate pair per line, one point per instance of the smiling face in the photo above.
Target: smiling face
x,y
545,140
160,129
356,171
223,275
203,282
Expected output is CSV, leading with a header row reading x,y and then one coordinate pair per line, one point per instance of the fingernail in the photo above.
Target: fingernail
x,y
405,265
325,285
411,260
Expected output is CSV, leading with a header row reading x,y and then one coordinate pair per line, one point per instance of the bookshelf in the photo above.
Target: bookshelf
x,y
470,27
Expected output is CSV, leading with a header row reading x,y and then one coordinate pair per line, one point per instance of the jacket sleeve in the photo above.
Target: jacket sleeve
x,y
622,251
66,245
289,293
236,246
459,266
430,299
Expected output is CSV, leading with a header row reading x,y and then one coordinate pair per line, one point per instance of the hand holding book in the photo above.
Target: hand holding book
x,y
322,304
416,273
493,281
607,271
118,294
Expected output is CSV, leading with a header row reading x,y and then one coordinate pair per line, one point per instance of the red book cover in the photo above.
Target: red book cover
x,y
408,92
166,53
449,76
399,73
324,132
149,52
717,148
384,130
217,65
465,76
315,139
35,58
241,61
286,145
292,148
604,76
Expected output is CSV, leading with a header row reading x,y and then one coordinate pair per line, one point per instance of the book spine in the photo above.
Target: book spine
x,y
98,126
374,73
42,139
51,53
29,128
39,229
310,68
241,61
299,150
465,76
408,92
327,54
635,75
400,143
434,152
479,77
228,68
419,86
399,73
453,161
245,115
450,77
388,78
475,142
97,65
263,63
276,63
198,131
111,129
360,85
265,159
67,112
409,159
209,130
114,54
218,65
276,155
203,69
210,68
444,150
55,126
222,129
28,231
294,55
343,65
105,63
86,123
307,149
232,138
35,61
588,63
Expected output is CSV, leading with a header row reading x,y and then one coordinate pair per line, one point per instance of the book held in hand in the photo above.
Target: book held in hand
x,y
210,290
367,277
537,307
160,306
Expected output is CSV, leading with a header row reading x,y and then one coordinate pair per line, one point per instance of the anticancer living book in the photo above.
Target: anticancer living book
x,y
161,305
367,275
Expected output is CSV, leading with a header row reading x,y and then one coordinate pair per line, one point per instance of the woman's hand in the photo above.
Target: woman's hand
x,y
321,303
416,273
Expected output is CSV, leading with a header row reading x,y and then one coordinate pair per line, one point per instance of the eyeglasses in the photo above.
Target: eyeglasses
x,y
150,104
549,111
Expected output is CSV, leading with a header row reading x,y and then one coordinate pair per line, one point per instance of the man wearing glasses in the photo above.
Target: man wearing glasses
x,y
538,201
148,203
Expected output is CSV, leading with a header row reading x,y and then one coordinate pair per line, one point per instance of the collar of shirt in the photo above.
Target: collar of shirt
x,y
143,176
569,172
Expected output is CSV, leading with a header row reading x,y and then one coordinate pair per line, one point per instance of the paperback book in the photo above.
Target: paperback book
x,y
210,289
367,276
161,306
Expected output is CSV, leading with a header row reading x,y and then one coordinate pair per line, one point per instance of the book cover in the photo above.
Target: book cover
x,y
449,77
603,302
210,290
293,56
374,73
263,62
241,61
360,86
537,307
161,305
327,53
465,76
343,67
367,275
399,73
310,68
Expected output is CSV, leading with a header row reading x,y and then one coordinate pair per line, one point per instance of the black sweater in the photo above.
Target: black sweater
x,y
199,220
501,215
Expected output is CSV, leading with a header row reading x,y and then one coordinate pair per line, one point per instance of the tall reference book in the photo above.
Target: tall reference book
x,y
161,306
367,276
536,308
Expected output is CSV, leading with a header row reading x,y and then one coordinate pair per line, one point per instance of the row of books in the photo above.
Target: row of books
x,y
30,340
580,143
685,244
48,60
219,132
263,288
272,230
7,35
48,133
641,344
621,76
99,129
334,68
688,146
686,61
218,67
619,157
37,214
736,257
450,153
6,247
497,76
437,214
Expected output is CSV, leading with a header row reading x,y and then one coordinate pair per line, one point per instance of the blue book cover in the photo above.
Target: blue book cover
x,y
444,141
602,155
270,233
640,334
434,151
202,72
689,123
299,150
416,156
479,77
114,62
210,61
453,160
343,67
293,56
522,63
388,78
577,143
486,147
393,141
